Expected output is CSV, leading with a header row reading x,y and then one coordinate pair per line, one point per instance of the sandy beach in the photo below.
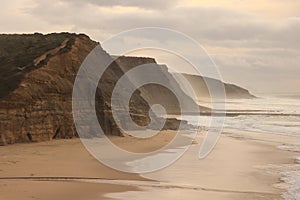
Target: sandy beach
x,y
234,170
92,94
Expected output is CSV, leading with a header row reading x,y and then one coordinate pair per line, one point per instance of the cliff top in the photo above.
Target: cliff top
x,y
19,54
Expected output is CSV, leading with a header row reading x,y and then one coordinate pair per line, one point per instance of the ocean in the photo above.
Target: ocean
x,y
267,115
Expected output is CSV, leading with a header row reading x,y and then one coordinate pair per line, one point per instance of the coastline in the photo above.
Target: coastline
x,y
237,168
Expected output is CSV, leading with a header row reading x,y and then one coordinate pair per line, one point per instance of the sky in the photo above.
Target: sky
x,y
254,43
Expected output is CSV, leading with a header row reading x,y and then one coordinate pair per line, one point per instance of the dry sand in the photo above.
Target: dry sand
x,y
229,170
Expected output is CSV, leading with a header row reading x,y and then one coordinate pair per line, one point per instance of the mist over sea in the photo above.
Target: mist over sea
x,y
274,115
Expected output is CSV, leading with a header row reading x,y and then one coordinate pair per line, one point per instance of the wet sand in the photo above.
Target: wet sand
x,y
231,171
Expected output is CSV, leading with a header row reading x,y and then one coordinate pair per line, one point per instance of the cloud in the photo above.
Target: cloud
x,y
205,24
153,4
240,40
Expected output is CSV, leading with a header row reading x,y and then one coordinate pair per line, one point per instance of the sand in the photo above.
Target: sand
x,y
231,171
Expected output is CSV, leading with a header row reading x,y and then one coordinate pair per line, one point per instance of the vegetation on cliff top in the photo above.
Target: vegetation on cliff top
x,y
17,53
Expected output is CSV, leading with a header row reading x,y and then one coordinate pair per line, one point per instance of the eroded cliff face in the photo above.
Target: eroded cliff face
x,y
37,106
199,85
37,77
20,54
168,94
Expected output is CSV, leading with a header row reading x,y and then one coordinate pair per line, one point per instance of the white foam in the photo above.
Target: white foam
x,y
287,147
297,160
287,122
290,175
291,182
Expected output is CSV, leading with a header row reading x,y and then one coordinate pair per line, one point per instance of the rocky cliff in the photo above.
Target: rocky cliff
x,y
35,103
199,85
158,94
37,76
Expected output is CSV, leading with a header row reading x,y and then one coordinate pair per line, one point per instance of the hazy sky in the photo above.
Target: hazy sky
x,y
255,43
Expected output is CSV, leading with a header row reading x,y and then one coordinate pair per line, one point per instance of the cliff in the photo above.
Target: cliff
x,y
35,96
158,94
201,91
37,76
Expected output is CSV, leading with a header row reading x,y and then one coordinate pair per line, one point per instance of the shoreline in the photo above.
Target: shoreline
x,y
241,155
